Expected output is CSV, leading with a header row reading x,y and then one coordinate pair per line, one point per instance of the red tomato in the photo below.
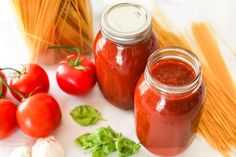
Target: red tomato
x,y
76,79
33,80
38,115
3,88
7,118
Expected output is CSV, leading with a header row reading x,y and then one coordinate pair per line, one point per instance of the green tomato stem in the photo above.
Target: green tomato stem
x,y
70,48
1,89
17,71
12,89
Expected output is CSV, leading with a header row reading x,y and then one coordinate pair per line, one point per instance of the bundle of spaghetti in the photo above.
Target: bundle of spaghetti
x,y
221,102
212,54
75,18
167,38
54,22
218,119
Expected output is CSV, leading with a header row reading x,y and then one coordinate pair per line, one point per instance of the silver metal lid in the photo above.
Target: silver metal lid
x,y
126,23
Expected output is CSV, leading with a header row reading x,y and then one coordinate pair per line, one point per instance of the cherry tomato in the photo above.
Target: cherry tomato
x,y
33,79
3,88
76,78
38,115
7,118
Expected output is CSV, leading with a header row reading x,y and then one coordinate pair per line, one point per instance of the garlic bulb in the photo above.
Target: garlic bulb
x,y
22,151
47,147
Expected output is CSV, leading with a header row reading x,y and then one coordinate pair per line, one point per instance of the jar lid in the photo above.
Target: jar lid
x,y
126,23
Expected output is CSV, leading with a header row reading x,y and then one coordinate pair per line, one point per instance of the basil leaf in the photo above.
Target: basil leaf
x,y
99,153
85,115
85,141
126,147
104,135
109,147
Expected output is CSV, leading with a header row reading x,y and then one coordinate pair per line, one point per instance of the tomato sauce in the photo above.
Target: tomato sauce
x,y
119,67
172,72
121,49
166,122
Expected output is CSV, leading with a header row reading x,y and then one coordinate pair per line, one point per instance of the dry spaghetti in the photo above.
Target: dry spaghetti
x,y
54,22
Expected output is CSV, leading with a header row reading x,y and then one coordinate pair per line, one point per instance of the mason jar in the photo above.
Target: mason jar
x,y
168,99
121,50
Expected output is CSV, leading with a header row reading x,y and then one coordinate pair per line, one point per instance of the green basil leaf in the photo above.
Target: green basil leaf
x,y
85,141
109,147
99,153
105,135
85,115
126,147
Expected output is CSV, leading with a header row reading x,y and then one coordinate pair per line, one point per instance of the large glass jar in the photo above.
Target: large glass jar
x,y
168,99
121,50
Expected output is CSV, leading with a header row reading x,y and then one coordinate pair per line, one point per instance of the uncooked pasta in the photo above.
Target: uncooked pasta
x,y
54,22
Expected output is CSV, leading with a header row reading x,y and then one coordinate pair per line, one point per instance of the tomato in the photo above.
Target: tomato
x,y
33,79
76,78
7,118
3,88
38,115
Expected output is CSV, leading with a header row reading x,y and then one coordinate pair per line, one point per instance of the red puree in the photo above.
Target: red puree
x,y
119,67
172,72
121,50
166,122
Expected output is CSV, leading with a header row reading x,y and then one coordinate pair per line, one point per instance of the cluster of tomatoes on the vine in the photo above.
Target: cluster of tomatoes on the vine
x,y
38,113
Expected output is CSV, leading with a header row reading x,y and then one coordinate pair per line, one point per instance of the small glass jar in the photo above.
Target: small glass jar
x,y
168,99
121,50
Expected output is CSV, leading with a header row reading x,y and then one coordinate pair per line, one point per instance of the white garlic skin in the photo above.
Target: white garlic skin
x,y
22,151
47,147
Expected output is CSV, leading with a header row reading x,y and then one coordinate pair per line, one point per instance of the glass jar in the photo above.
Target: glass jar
x,y
168,99
121,50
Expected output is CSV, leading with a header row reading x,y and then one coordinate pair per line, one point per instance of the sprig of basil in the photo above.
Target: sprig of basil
x,y
85,115
105,141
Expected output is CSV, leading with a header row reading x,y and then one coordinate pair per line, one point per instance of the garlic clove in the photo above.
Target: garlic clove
x,y
22,151
47,147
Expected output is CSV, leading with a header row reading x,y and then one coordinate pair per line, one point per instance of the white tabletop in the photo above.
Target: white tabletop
x,y
220,13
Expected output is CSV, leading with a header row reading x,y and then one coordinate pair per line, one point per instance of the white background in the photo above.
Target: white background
x,y
220,13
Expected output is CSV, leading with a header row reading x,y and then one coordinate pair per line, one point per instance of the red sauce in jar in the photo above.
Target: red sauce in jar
x,y
119,67
173,72
166,122
121,50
